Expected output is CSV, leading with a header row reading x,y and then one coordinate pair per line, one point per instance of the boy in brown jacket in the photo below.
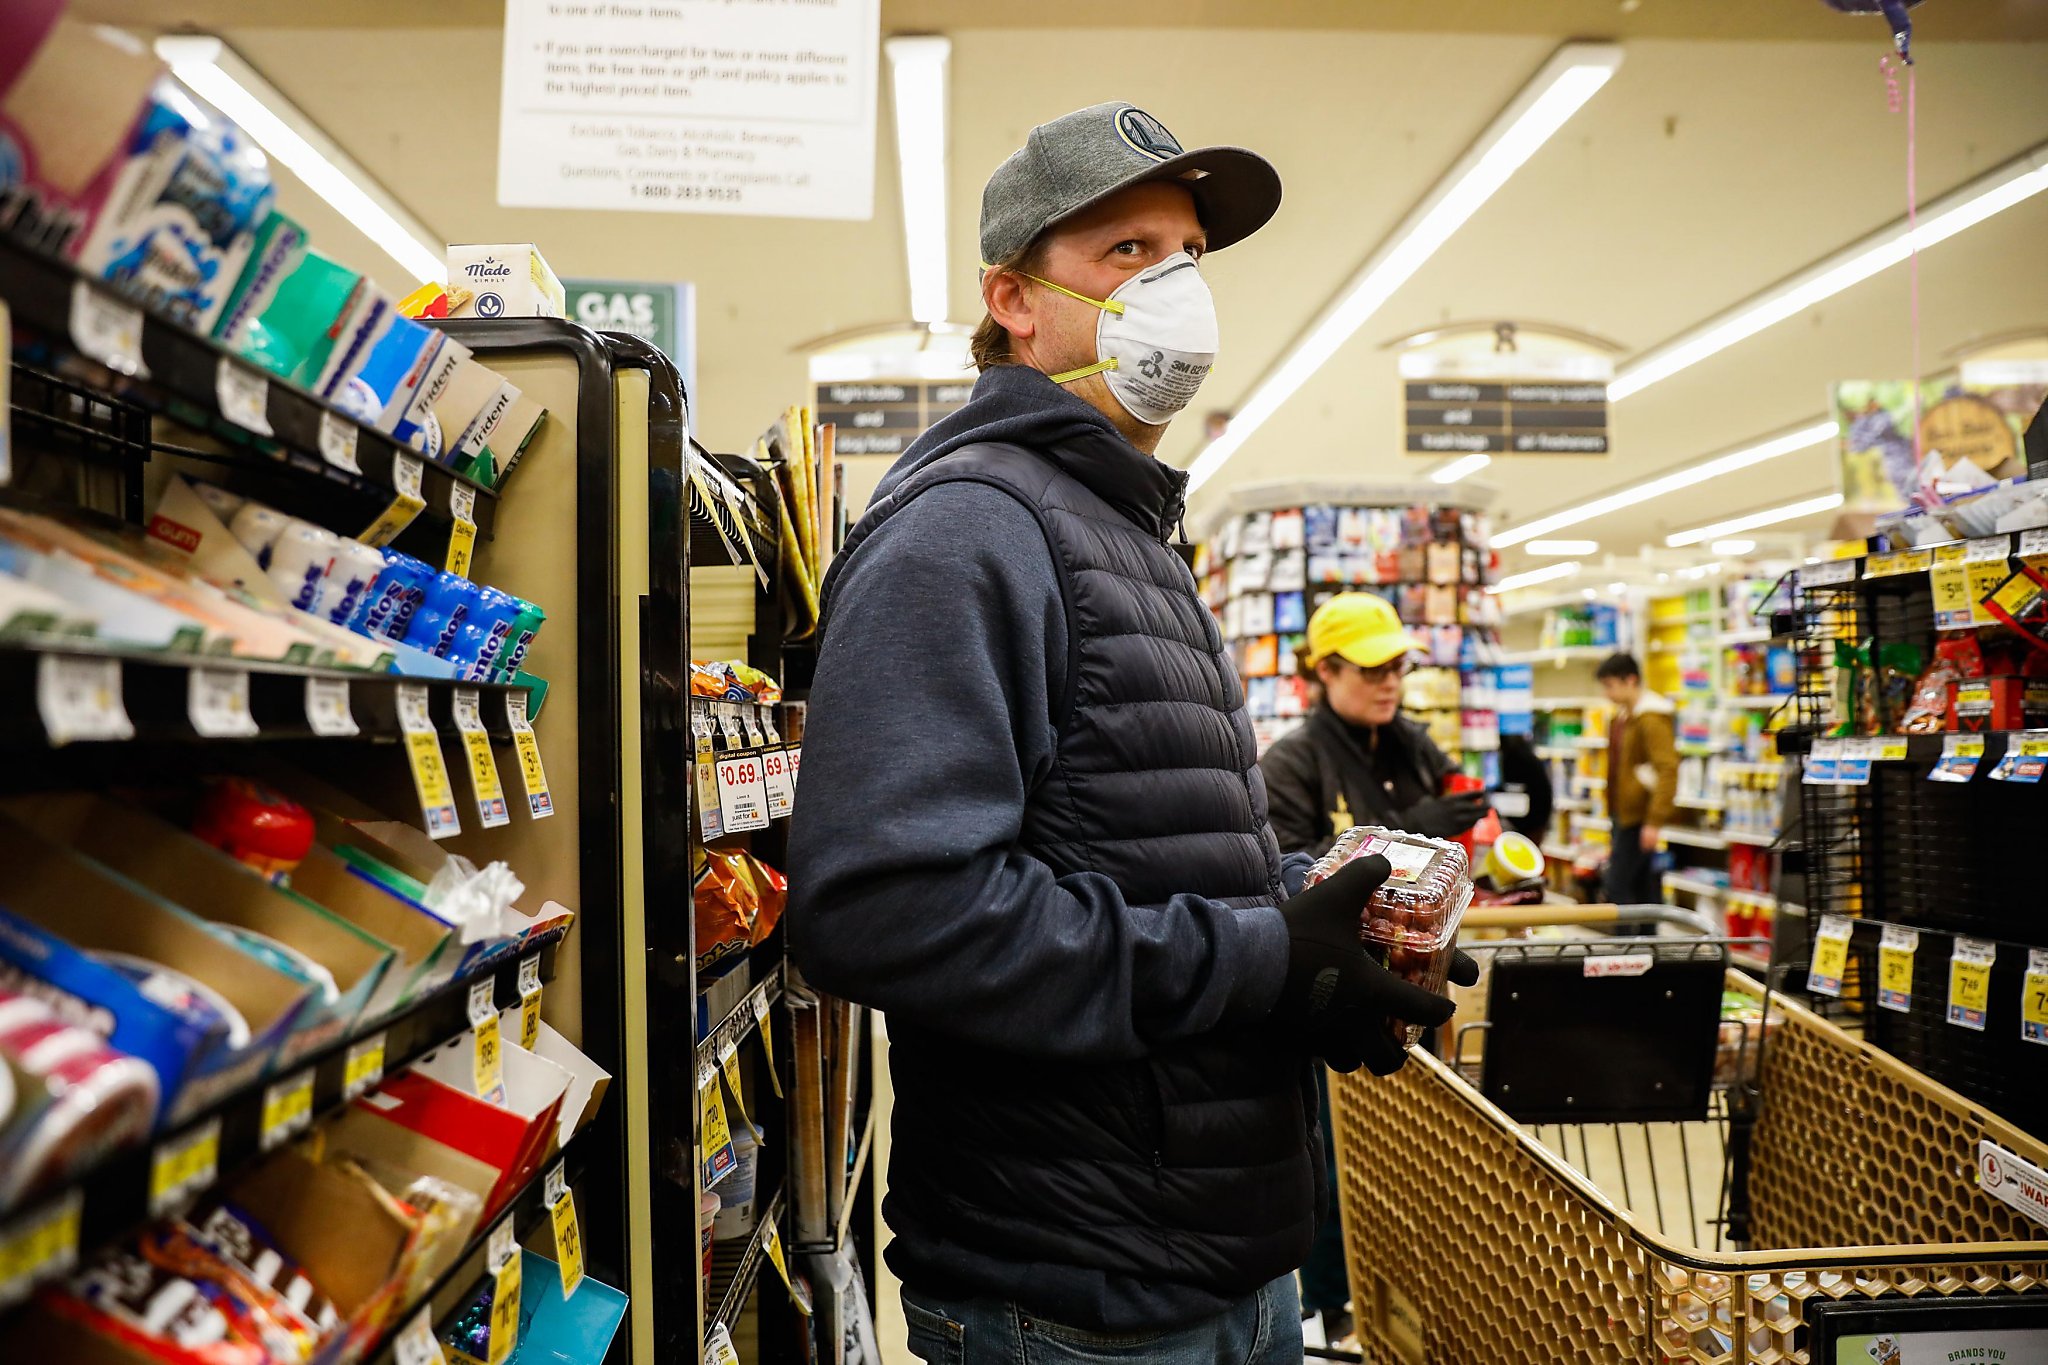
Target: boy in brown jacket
x,y
1642,779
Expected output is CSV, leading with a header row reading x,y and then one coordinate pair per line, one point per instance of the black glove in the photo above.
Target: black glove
x,y
1445,817
1336,997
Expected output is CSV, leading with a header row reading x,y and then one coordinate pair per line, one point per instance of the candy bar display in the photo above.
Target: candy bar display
x,y
1411,923
1264,573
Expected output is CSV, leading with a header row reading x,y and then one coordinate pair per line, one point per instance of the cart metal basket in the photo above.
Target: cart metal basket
x,y
1844,1175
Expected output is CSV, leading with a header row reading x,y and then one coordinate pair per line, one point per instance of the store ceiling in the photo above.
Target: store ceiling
x,y
1711,166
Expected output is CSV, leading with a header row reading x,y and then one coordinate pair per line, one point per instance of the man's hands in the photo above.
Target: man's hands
x,y
1336,997
1651,834
1445,817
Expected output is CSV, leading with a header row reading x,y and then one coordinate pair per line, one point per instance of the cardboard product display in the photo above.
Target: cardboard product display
x,y
398,1155
59,908
588,1081
424,947
213,886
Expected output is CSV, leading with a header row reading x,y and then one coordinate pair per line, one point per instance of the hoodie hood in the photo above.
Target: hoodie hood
x,y
1019,406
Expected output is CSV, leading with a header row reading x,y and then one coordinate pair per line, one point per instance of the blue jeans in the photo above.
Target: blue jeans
x,y
1263,1329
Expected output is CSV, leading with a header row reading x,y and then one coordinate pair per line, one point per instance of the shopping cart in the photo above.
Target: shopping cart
x,y
1813,1167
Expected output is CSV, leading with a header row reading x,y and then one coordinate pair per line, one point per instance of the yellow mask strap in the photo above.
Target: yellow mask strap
x,y
1106,305
1071,375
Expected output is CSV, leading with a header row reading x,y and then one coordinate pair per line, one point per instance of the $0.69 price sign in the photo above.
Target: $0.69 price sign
x,y
742,793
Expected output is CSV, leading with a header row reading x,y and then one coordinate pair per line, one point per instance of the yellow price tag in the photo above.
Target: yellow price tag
x,y
1830,956
1895,967
489,1059
363,1067
717,1144
504,1293
423,754
529,1002
1892,749
39,1249
1986,578
462,530
730,1063
539,804
2034,997
762,1017
1892,565
568,1241
467,708
406,502
1969,982
287,1108
773,1243
184,1166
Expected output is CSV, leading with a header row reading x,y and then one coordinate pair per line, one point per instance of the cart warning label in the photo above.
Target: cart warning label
x,y
1619,964
2013,1179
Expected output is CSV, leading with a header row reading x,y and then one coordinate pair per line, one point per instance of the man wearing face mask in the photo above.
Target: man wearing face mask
x,y
1034,830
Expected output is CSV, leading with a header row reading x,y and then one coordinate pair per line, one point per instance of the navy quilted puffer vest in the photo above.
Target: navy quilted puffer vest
x,y
1136,1195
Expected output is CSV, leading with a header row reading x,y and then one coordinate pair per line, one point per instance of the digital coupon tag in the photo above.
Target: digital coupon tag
x,y
327,709
217,703
39,1247
504,1264
764,1014
416,1343
1897,563
406,502
462,527
423,754
1969,982
107,329
363,1067
529,1002
487,1049
539,804
2034,997
781,787
716,1135
742,794
1949,581
483,765
80,699
1895,951
1830,956
287,1110
338,442
1960,755
180,1168
568,1241
2025,759
243,395
1823,763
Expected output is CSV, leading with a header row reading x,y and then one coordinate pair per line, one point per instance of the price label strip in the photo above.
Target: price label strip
x,y
529,1002
338,444
327,709
2034,997
1895,951
287,1110
1830,956
39,1248
780,786
2026,757
729,1063
1823,764
363,1067
406,502
1969,982
107,329
504,1263
181,1168
742,794
568,1240
716,1139
416,1345
1902,562
1960,755
1987,561
1827,573
487,1052
771,1240
80,699
462,530
539,804
763,1016
483,766
244,396
423,753
1892,749
1853,767
217,703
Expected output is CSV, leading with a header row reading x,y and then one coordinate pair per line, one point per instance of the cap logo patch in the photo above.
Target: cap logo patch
x,y
1146,135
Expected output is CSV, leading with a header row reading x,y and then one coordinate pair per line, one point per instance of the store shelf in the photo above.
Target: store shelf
x,y
1743,767
1573,803
1590,742
156,690
1678,881
181,378
1567,751
1768,703
115,1191
1696,803
1560,655
1693,838
1736,836
1567,703
1595,822
1756,635
734,1028
736,1265
727,495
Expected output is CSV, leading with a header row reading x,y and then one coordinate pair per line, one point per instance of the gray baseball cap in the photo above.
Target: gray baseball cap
x,y
1086,156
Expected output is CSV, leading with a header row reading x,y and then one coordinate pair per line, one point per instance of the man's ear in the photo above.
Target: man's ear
x,y
1008,296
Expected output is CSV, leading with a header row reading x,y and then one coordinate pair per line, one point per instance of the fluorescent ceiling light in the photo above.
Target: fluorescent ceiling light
x,y
917,69
1535,576
1732,547
1704,570
1668,483
2017,180
1460,467
213,71
1545,104
1617,588
1562,547
1826,502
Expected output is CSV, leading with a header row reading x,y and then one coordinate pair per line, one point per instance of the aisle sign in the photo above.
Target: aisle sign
x,y
1969,982
1448,416
1895,951
1830,956
2034,997
883,416
539,804
758,109
423,755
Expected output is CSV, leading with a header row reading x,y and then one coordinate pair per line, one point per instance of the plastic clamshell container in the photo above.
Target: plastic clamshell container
x,y
1411,923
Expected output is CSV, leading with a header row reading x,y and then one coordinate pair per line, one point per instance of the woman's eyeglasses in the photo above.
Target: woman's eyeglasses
x,y
1392,671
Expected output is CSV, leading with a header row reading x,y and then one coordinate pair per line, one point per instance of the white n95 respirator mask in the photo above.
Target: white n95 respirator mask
x,y
1156,339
